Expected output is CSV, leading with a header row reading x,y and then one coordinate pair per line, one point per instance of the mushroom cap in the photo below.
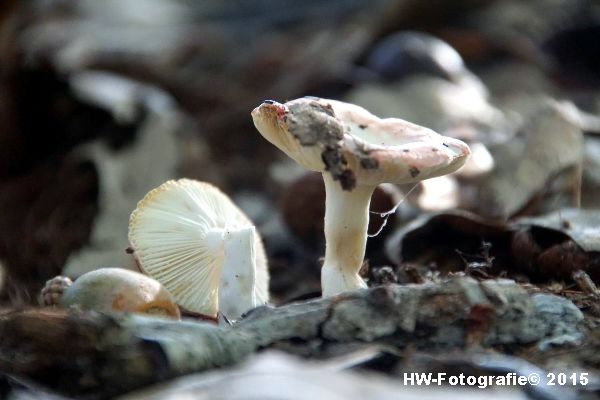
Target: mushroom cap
x,y
118,289
355,146
169,234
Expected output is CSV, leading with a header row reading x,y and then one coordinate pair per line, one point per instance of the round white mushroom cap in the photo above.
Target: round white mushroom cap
x,y
355,146
114,289
193,239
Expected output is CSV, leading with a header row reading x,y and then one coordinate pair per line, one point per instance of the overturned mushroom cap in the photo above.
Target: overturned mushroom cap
x,y
355,146
113,289
192,238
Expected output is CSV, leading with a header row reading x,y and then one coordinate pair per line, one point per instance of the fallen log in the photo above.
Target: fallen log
x,y
106,354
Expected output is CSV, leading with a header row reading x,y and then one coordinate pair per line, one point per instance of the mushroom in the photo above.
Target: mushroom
x,y
110,289
355,151
192,238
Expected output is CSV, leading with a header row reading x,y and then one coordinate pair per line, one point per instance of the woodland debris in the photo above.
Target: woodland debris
x,y
548,144
534,248
126,174
581,225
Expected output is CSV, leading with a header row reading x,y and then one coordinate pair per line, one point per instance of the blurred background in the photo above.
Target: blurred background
x,y
102,101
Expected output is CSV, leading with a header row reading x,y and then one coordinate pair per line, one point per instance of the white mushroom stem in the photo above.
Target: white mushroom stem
x,y
346,224
238,270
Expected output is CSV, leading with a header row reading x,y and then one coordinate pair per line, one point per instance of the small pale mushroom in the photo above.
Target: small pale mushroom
x,y
110,289
193,239
355,151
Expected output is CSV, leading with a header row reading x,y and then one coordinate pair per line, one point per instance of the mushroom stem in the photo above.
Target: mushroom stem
x,y
346,223
238,272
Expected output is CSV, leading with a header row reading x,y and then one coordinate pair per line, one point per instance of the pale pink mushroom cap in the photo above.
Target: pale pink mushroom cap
x,y
372,150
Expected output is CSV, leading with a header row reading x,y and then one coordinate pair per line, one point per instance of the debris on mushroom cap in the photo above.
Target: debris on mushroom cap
x,y
192,238
111,289
355,146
